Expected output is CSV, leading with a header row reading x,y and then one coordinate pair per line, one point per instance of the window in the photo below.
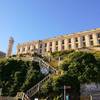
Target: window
x,y
99,41
40,50
56,42
23,49
84,44
32,49
50,43
57,48
77,45
45,44
69,40
69,46
28,48
76,39
98,35
45,50
91,42
40,45
91,37
83,38
63,47
50,49
18,50
63,41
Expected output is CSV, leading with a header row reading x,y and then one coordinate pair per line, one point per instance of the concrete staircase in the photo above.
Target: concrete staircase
x,y
32,91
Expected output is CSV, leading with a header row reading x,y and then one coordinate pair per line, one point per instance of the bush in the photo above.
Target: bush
x,y
17,75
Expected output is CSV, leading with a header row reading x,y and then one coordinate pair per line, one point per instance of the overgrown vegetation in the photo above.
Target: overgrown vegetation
x,y
17,75
78,68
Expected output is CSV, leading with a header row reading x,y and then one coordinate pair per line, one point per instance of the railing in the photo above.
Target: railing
x,y
7,98
32,91
22,96
45,64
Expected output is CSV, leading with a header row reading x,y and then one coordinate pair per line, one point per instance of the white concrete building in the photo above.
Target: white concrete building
x,y
85,39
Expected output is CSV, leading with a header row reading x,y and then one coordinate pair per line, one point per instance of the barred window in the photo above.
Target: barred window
x,y
76,39
77,45
69,40
98,35
56,42
91,42
23,49
57,48
45,44
99,41
63,41
50,43
69,46
50,49
40,45
29,48
63,47
84,44
83,38
91,37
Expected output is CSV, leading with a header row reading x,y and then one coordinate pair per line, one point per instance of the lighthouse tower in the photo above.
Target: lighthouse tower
x,y
10,46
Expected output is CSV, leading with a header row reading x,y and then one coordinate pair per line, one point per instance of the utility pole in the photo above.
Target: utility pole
x,y
66,88
64,92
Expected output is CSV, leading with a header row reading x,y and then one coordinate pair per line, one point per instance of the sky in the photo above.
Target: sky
x,y
27,20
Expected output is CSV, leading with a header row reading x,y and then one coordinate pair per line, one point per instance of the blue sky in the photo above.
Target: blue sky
x,y
27,20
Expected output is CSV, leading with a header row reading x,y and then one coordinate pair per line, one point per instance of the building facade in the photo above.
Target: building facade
x,y
85,39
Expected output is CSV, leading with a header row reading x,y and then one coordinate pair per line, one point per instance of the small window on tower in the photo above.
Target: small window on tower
x,y
18,50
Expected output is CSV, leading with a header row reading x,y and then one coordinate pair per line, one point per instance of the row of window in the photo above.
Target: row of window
x,y
69,45
23,49
69,40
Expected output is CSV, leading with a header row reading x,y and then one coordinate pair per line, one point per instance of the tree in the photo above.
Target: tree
x,y
18,75
81,65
